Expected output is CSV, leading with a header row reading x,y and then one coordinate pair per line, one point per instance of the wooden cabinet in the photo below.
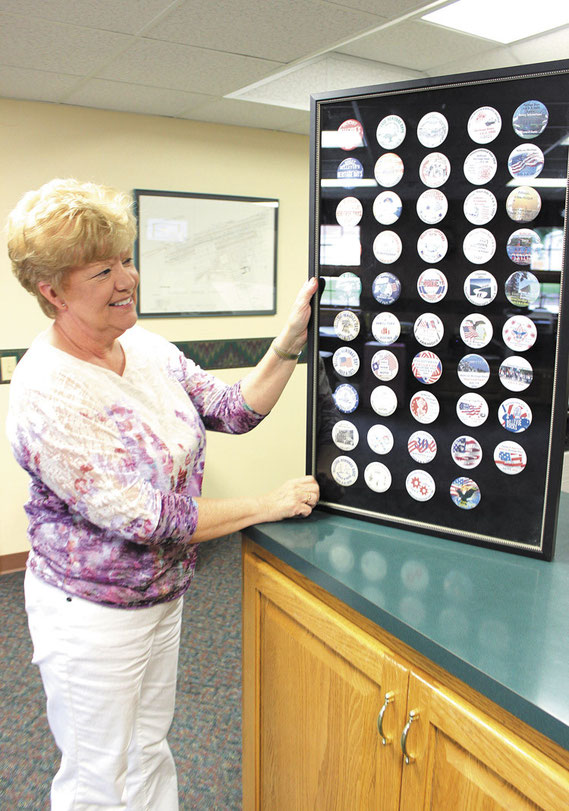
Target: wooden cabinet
x,y
317,691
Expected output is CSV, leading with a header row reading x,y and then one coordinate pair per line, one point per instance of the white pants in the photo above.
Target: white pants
x,y
110,679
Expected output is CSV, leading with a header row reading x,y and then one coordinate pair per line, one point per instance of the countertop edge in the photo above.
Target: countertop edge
x,y
533,715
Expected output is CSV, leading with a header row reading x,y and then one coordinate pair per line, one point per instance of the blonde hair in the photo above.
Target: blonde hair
x,y
66,224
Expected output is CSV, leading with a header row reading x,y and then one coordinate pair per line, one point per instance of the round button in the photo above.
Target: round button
x,y
344,471
480,288
345,435
384,365
420,485
380,439
465,493
432,285
484,125
391,132
377,476
424,407
386,288
466,452
387,207
432,129
422,447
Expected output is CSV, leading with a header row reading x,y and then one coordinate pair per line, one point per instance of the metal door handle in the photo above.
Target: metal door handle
x,y
389,697
413,716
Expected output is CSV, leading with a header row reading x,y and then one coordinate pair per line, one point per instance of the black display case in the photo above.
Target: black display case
x,y
437,360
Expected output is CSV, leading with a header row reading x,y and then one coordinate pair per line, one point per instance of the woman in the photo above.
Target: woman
x,y
109,421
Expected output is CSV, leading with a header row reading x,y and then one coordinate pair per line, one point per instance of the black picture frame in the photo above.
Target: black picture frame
x,y
205,254
524,429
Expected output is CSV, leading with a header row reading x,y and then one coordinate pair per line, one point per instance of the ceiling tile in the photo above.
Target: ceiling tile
x,y
34,85
283,30
42,45
333,71
131,98
300,127
178,67
416,45
489,60
123,17
387,8
541,49
243,114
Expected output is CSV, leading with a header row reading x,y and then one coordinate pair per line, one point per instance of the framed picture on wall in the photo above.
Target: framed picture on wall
x,y
205,254
439,346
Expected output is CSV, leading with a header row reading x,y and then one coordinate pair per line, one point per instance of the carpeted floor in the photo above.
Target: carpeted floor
x,y
206,734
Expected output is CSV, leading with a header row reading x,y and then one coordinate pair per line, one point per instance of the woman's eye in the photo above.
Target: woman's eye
x,y
104,272
127,261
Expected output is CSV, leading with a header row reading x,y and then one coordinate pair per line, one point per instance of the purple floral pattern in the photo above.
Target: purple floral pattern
x,y
115,464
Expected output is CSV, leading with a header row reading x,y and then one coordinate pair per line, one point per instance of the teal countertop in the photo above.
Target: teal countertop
x,y
498,621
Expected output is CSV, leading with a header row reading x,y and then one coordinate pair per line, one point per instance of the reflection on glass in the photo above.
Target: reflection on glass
x,y
340,245
548,255
341,291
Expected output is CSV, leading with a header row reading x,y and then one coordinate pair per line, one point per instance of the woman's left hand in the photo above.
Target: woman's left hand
x,y
294,334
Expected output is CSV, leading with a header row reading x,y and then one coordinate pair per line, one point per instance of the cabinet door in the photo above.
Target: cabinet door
x,y
313,686
461,760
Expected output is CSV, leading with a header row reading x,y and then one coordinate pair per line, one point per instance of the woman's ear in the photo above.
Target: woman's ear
x,y
51,294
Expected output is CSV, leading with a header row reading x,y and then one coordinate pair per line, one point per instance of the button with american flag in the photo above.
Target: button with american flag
x,y
427,367
386,288
515,415
526,160
346,361
465,493
476,330
422,447
510,458
428,329
472,409
466,451
384,365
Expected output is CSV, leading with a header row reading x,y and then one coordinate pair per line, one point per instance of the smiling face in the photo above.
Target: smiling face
x,y
97,302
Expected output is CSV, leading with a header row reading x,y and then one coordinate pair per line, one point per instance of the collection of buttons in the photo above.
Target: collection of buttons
x,y
521,288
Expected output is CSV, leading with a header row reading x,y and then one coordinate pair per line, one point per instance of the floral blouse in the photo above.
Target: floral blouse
x,y
115,464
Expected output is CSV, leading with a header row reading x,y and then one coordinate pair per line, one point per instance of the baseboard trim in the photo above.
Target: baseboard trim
x,y
15,562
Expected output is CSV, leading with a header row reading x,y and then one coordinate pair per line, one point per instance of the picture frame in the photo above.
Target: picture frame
x,y
205,254
437,359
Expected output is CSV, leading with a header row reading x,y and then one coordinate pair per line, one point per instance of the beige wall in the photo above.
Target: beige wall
x,y
41,141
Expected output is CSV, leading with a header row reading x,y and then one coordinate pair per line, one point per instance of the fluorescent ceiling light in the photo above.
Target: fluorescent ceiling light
x,y
353,181
541,182
502,20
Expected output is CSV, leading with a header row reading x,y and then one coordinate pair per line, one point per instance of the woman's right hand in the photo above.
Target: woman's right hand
x,y
294,497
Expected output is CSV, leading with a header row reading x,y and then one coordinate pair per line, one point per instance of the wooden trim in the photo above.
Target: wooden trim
x,y
417,660
15,562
